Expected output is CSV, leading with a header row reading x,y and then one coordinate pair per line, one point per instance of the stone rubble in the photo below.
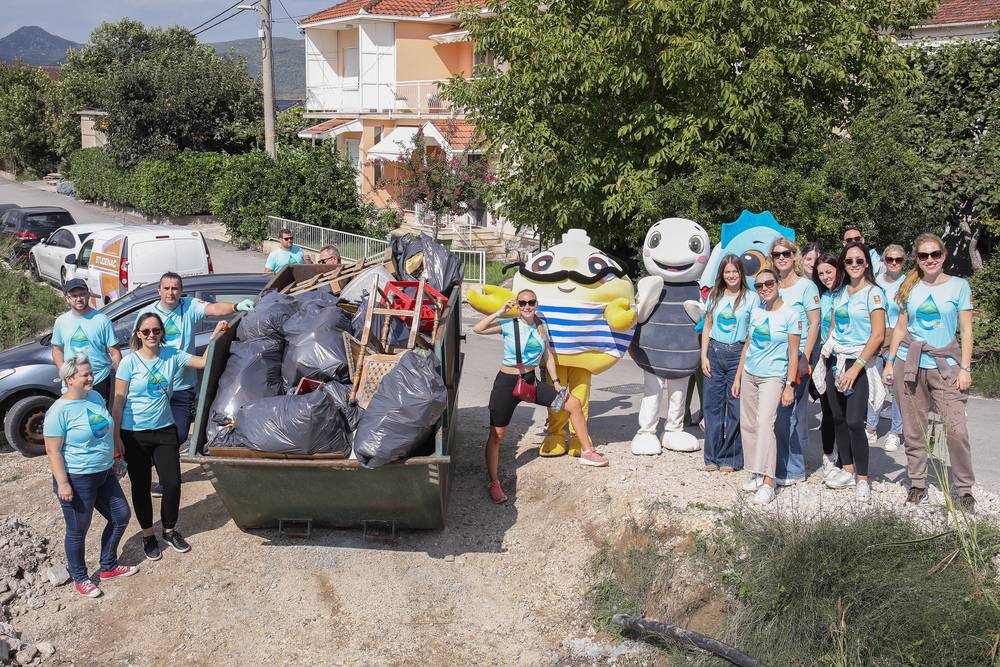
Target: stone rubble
x,y
27,575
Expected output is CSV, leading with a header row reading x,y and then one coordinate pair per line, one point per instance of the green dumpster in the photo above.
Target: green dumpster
x,y
266,493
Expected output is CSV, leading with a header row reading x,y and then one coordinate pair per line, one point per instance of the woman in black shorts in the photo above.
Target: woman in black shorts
x,y
525,347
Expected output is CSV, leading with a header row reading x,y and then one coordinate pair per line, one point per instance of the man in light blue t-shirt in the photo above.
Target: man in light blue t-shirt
x,y
854,234
84,330
286,254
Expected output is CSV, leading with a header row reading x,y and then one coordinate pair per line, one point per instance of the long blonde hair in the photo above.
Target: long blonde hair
x,y
915,276
796,256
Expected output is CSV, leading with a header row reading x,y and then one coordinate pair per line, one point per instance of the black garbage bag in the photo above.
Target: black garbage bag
x,y
312,423
253,371
403,411
441,267
320,295
316,349
267,317
310,313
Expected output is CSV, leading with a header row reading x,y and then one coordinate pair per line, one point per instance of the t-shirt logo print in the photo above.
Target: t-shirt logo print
x,y
842,319
726,320
170,331
761,337
79,341
99,425
928,316
157,384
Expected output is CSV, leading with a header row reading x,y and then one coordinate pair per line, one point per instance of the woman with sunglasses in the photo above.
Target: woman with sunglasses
x,y
727,318
526,346
144,426
929,368
893,258
856,335
799,294
765,380
825,276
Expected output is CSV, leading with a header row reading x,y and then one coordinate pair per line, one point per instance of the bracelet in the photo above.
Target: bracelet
x,y
860,362
891,358
967,369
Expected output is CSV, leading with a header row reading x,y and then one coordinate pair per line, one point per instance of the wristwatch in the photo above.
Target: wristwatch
x,y
790,383
967,369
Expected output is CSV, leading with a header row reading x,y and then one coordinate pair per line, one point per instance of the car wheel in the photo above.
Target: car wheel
x,y
62,277
23,425
33,268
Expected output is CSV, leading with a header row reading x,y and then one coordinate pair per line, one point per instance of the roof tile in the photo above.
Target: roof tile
x,y
966,11
391,8
460,134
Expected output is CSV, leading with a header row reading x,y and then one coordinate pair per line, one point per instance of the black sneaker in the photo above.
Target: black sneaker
x,y
968,502
151,547
174,539
916,496
157,490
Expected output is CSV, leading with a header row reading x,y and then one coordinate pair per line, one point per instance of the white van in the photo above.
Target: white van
x,y
116,260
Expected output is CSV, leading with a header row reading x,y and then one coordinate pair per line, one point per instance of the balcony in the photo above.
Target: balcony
x,y
404,98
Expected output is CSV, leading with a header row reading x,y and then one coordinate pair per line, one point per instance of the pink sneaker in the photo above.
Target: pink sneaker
x,y
88,590
119,571
496,493
592,457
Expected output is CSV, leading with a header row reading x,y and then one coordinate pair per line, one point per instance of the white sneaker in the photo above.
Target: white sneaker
x,y
863,491
789,481
831,473
872,437
753,483
841,480
764,495
892,442
828,465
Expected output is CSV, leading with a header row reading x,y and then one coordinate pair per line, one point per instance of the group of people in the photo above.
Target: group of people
x,y
851,330
288,253
123,415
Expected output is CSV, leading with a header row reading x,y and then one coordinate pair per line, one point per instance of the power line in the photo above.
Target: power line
x,y
216,16
287,13
223,20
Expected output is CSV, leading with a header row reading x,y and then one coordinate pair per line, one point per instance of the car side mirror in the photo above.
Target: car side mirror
x,y
71,258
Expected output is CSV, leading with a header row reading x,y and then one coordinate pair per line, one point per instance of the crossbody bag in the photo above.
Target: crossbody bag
x,y
523,391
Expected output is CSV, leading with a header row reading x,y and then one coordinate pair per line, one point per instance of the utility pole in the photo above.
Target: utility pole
x,y
267,71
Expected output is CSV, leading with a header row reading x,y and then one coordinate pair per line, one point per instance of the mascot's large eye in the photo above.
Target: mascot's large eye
x,y
654,240
696,244
753,262
542,263
597,263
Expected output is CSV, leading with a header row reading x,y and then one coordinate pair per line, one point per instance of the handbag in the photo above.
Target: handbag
x,y
523,391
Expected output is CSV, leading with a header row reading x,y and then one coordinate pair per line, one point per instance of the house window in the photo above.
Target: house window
x,y
482,58
352,66
378,163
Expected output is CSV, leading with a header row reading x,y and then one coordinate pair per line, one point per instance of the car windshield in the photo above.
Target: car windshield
x,y
47,220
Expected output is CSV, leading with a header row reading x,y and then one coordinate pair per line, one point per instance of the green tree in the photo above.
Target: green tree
x,y
26,143
602,102
288,123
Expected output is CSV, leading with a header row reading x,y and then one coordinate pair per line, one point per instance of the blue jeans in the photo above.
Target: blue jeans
x,y
792,432
723,446
181,406
896,418
100,491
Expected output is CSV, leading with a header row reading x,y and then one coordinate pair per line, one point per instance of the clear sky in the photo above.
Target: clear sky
x,y
74,19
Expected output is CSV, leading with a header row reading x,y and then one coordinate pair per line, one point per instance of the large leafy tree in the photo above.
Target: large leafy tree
x,y
26,144
600,103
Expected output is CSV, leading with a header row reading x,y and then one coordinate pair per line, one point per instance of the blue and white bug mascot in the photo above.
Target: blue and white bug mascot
x,y
666,345
749,237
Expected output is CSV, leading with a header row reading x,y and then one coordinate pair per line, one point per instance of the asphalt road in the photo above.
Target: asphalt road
x,y
616,393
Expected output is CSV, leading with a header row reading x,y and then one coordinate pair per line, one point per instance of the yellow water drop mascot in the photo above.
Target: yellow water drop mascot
x,y
588,304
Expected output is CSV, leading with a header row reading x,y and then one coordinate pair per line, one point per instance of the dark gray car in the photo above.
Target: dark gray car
x,y
29,381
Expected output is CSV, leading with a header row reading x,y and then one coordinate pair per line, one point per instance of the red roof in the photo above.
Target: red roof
x,y
460,134
391,8
966,11
318,130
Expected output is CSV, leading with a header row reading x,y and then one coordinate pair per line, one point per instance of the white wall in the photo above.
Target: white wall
x,y
322,80
378,64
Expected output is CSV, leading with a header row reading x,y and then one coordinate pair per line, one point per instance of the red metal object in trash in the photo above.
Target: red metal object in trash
x,y
398,299
307,386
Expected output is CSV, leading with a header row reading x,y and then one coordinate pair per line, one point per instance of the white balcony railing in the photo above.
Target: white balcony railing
x,y
403,97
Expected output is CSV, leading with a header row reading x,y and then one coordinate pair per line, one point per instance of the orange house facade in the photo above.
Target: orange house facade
x,y
374,71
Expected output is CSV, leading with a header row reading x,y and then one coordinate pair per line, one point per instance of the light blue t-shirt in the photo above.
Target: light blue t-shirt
x,y
179,328
279,258
801,297
876,261
932,315
86,429
91,334
532,343
150,384
852,322
768,353
891,307
825,315
730,322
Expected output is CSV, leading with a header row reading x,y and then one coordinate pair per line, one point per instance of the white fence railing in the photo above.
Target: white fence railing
x,y
355,246
399,96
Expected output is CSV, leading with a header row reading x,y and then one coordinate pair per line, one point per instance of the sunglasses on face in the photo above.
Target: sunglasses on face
x,y
852,239
529,302
765,284
287,238
782,254
329,260
155,331
850,261
893,260
934,254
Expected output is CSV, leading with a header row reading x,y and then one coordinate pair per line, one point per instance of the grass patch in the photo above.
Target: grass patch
x,y
495,275
26,308
986,377
874,590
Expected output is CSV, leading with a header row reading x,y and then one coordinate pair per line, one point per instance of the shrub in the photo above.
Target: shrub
x,y
243,196
986,297
26,308
179,186
97,178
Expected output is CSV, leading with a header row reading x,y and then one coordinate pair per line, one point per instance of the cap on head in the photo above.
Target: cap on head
x,y
75,283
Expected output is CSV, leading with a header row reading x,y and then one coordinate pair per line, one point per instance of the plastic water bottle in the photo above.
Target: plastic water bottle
x,y
837,374
120,468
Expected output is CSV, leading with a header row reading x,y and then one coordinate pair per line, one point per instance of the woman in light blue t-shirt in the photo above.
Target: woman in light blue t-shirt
x,y
144,426
77,432
932,307
727,318
893,259
825,278
765,380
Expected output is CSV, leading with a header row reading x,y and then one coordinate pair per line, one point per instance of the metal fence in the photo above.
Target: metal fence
x,y
355,246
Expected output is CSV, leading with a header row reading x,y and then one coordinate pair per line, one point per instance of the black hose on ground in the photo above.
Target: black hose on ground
x,y
684,636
